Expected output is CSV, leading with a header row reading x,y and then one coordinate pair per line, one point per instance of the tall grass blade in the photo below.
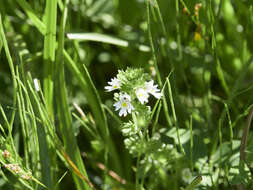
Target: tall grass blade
x,y
63,111
87,86
49,51
11,65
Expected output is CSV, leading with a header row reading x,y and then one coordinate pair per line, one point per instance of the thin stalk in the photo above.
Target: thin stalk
x,y
245,135
191,145
161,20
156,118
174,115
180,54
8,126
11,65
35,142
230,129
45,158
219,70
137,186
152,44
165,106
244,144
86,127
23,122
221,149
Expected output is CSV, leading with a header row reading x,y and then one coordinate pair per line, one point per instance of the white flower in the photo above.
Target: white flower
x,y
124,104
142,95
187,175
114,84
152,89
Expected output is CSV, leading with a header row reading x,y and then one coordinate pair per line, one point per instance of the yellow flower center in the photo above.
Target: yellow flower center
x,y
124,104
115,86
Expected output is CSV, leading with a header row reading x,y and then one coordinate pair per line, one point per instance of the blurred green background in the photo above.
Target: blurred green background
x,y
207,44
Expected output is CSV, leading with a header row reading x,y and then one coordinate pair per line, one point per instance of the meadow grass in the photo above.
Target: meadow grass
x,y
59,127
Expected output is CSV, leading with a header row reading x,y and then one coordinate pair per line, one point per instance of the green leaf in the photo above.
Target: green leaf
x,y
103,38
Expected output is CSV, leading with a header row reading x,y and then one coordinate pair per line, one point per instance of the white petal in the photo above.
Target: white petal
x,y
142,95
123,112
130,108
117,105
108,88
152,89
113,84
157,95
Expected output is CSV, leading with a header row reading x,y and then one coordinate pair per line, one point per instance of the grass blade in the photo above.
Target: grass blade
x,y
31,14
63,111
11,65
194,183
96,37
49,52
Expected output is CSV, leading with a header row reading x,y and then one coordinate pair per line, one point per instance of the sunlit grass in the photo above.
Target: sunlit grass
x,y
64,132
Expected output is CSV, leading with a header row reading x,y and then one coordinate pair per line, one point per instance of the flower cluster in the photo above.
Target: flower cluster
x,y
6,154
142,93
132,84
15,168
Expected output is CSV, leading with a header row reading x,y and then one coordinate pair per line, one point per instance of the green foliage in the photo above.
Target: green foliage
x,y
61,131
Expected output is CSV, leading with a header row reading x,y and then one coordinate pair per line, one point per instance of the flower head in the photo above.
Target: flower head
x,y
124,104
14,167
6,154
142,95
186,175
152,89
113,85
